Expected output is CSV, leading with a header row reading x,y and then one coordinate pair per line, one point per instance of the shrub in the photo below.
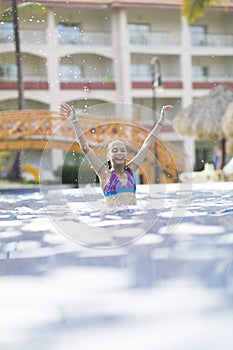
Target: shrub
x,y
69,174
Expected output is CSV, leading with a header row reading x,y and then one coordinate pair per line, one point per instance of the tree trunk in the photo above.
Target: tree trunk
x,y
15,172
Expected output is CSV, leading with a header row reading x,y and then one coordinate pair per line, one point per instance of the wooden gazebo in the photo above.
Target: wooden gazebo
x,y
42,129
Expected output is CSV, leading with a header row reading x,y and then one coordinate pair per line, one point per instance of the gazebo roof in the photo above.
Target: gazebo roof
x,y
203,118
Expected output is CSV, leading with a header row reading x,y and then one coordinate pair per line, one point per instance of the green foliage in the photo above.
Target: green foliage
x,y
76,170
30,182
4,156
194,9
69,171
69,174
26,9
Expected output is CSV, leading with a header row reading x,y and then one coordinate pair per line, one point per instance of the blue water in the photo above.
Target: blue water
x,y
167,287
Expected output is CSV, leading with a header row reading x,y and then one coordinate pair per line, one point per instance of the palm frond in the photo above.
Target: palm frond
x,y
26,9
195,9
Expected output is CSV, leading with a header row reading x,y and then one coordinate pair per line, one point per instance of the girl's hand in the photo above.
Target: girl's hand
x,y
67,111
162,113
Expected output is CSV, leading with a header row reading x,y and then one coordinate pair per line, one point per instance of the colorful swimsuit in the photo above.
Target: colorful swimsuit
x,y
115,186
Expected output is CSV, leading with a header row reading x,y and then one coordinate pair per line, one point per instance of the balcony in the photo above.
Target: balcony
x,y
27,36
72,37
155,39
28,85
144,81
212,40
87,85
31,82
210,81
67,37
90,82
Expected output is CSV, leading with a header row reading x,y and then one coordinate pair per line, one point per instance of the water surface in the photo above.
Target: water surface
x,y
123,287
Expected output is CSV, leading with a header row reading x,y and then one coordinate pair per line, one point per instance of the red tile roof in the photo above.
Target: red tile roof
x,y
225,4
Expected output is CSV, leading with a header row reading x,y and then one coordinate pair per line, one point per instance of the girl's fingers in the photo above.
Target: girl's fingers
x,y
65,106
165,108
66,110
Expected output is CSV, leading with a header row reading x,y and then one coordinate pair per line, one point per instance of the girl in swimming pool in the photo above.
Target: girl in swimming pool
x,y
117,178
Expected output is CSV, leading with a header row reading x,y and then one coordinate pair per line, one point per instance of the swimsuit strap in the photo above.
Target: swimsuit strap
x,y
130,177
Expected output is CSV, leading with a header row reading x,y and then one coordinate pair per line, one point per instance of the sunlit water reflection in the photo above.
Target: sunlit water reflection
x,y
124,290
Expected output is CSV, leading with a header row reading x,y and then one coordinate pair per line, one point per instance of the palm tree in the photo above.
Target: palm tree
x,y
194,9
15,172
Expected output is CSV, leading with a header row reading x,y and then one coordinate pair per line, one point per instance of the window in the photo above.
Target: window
x,y
69,33
198,35
8,72
6,32
139,27
200,72
139,33
141,72
71,72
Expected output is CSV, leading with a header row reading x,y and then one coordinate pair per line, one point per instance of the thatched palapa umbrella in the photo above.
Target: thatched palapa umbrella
x,y
227,125
204,117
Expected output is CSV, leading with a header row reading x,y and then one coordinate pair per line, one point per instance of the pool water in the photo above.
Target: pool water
x,y
77,275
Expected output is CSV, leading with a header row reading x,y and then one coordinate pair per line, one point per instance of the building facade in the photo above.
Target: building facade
x,y
106,52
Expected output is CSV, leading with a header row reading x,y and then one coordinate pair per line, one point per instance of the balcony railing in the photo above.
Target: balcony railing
x,y
148,78
224,77
35,36
70,37
72,78
155,38
27,36
27,77
212,40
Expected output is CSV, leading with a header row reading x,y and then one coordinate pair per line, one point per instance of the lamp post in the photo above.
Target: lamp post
x,y
156,78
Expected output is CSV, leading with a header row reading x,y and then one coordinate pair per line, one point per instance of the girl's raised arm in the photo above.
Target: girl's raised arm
x,y
150,139
95,161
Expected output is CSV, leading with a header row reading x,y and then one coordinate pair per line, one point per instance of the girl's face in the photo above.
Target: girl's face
x,y
117,153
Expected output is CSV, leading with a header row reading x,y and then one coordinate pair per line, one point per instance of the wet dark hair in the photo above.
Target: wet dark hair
x,y
109,165
128,169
